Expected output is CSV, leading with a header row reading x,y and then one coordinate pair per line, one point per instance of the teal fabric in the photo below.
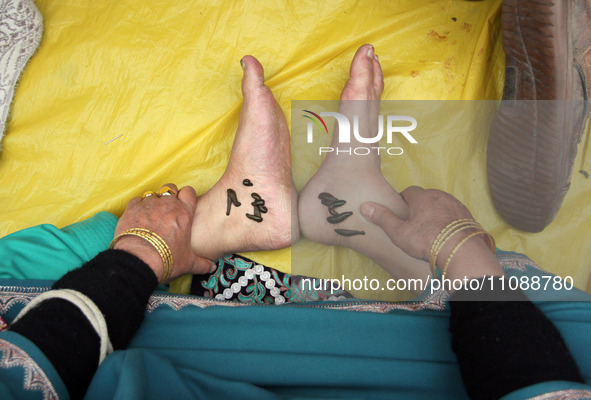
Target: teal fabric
x,y
25,372
576,390
189,347
46,252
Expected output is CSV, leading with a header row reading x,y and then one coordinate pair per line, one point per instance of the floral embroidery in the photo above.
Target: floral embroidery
x,y
511,260
239,279
247,273
573,394
35,378
13,295
435,302
302,293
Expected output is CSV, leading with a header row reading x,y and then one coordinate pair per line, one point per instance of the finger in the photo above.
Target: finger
x,y
203,266
132,204
149,193
169,188
189,197
411,193
133,201
383,217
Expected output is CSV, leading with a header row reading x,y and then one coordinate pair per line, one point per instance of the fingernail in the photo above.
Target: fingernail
x,y
370,52
367,210
212,267
242,64
376,57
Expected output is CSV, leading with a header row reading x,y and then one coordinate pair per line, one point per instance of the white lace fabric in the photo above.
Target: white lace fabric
x,y
21,29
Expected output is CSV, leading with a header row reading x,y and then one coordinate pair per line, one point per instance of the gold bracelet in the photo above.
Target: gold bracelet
x,y
446,237
451,254
157,242
441,237
447,233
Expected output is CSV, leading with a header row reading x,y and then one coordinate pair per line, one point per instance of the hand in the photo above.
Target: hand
x,y
430,211
170,217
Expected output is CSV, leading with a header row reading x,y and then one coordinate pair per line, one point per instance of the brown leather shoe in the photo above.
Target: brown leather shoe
x,y
535,132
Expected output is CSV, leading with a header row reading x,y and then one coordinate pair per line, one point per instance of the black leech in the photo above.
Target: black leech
x,y
256,218
259,207
335,219
247,182
232,199
348,232
326,195
337,203
327,198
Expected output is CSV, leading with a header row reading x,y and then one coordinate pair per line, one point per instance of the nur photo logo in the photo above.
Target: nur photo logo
x,y
395,125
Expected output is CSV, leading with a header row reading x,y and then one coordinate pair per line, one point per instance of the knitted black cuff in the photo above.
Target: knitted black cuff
x,y
64,335
120,285
503,346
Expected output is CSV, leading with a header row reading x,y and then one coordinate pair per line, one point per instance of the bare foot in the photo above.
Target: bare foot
x,y
261,155
356,179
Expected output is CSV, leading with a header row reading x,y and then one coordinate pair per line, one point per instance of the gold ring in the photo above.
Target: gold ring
x,y
150,193
168,191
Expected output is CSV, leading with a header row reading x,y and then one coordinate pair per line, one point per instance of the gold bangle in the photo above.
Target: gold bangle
x,y
491,243
451,254
441,237
447,233
445,238
157,242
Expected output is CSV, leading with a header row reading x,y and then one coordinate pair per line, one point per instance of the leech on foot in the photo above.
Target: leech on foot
x,y
335,219
326,195
337,203
327,198
332,202
256,218
259,207
232,199
247,182
348,232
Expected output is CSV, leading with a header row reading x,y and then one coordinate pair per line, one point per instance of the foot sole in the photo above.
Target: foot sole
x,y
535,132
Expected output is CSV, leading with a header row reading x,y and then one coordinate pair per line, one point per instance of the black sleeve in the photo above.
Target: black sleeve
x,y
505,343
120,285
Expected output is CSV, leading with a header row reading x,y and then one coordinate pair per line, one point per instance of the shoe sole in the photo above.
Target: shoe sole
x,y
532,144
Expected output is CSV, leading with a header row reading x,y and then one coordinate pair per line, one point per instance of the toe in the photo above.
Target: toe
x,y
362,64
363,75
378,76
253,77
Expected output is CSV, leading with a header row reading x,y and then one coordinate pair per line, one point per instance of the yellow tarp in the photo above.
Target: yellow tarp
x,y
163,78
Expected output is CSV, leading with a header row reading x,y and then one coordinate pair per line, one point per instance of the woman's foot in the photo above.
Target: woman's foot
x,y
259,172
356,179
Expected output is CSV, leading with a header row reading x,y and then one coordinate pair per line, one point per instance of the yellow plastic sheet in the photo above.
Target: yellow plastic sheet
x,y
124,96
